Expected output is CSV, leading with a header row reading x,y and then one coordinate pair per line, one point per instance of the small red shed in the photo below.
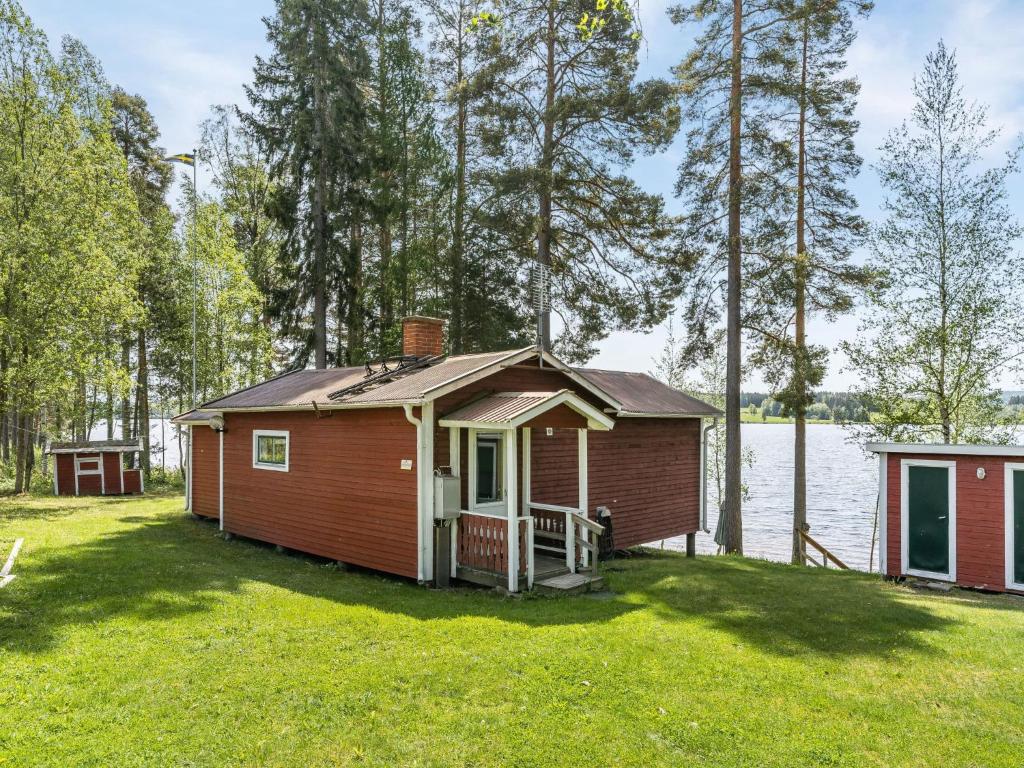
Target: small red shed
x,y
94,468
952,513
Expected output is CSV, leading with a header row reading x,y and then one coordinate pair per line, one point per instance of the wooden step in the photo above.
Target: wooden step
x,y
569,584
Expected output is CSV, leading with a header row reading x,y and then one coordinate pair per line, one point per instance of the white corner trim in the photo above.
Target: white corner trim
x,y
883,513
1009,539
905,465
256,435
510,502
220,480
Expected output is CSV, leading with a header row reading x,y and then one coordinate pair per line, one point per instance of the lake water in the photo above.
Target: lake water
x,y
842,490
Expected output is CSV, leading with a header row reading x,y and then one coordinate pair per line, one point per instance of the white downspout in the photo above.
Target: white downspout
x,y
424,489
704,474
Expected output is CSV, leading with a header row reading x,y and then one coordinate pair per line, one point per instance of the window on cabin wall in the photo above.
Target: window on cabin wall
x,y
270,449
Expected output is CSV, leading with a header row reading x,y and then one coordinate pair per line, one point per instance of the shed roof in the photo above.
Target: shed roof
x,y
195,416
95,446
643,395
943,449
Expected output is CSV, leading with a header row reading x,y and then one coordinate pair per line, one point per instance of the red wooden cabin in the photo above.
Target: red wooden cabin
x,y
94,468
499,458
952,513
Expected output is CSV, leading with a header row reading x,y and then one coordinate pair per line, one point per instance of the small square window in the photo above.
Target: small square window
x,y
270,450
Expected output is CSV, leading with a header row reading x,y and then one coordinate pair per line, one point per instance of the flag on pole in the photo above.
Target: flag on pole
x,y
185,158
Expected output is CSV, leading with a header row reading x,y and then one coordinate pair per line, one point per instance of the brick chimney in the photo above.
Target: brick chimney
x,y
422,336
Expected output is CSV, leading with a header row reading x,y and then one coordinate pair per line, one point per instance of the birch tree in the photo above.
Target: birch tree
x,y
948,322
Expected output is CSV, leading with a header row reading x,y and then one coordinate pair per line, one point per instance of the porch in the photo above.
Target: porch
x,y
502,535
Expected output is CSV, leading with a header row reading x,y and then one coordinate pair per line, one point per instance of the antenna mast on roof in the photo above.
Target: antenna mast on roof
x,y
540,289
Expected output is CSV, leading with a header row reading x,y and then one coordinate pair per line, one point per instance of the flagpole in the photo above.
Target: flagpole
x,y
195,248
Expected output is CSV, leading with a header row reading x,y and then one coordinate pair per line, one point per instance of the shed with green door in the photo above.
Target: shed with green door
x,y
952,513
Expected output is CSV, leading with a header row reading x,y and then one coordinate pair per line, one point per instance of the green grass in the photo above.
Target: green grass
x,y
133,635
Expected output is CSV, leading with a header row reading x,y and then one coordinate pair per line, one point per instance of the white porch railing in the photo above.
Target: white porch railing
x,y
571,526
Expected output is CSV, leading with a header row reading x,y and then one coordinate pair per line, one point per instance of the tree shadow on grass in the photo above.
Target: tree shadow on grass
x,y
159,567
788,610
171,566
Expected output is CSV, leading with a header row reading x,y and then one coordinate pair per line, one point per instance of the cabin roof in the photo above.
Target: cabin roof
x,y
643,395
413,380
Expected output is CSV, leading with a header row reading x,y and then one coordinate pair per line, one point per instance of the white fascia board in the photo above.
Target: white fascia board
x,y
942,449
636,415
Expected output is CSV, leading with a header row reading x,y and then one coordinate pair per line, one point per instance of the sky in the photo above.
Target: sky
x,y
186,55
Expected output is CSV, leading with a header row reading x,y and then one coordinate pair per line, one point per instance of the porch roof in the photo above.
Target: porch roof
x,y
506,410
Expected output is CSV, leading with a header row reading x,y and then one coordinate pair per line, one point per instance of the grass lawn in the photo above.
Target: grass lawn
x,y
133,635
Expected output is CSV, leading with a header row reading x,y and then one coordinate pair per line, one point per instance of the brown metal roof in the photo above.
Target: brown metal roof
x,y
291,389
192,417
645,395
418,383
637,392
501,407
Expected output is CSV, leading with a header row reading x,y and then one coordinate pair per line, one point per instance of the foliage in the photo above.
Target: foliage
x,y
70,227
947,320
562,113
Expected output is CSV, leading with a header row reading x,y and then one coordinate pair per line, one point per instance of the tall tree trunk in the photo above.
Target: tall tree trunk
x,y
732,507
19,454
456,331
29,446
319,212
356,353
800,340
143,389
126,402
547,162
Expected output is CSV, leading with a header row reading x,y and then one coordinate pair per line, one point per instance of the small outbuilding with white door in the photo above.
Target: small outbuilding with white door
x,y
95,468
952,513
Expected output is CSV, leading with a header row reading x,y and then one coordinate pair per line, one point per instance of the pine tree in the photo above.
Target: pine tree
x,y
949,317
825,229
563,114
729,184
310,117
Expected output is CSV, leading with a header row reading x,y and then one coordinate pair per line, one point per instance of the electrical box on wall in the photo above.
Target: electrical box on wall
x,y
447,503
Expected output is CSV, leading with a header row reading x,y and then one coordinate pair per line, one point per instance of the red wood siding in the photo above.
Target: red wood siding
x,y
65,463
205,471
980,518
344,496
514,379
559,416
112,473
133,481
646,471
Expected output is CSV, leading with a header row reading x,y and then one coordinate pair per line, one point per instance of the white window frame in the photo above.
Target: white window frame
x,y
905,465
490,506
256,435
1009,469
